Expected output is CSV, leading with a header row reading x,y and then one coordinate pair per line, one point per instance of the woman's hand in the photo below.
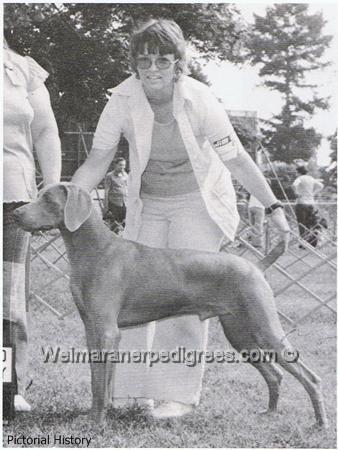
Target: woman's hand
x,y
94,168
278,218
245,170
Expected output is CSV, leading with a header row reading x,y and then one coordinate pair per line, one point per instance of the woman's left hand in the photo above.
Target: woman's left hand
x,y
279,220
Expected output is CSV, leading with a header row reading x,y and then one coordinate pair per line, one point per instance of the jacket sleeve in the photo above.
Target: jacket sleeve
x,y
37,75
219,130
109,127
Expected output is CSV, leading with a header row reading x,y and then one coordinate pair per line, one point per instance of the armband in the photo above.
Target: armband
x,y
274,206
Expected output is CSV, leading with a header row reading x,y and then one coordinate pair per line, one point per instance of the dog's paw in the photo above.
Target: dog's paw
x,y
320,426
81,421
267,412
97,417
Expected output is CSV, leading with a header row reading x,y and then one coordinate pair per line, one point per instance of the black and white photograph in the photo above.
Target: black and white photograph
x,y
169,225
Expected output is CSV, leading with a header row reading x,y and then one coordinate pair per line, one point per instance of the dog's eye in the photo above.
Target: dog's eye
x,y
49,202
47,196
53,207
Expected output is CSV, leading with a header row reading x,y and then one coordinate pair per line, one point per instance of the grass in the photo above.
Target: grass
x,y
233,394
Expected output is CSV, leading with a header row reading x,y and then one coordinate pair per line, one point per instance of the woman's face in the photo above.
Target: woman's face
x,y
156,78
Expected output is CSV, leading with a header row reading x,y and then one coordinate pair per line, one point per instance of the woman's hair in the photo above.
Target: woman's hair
x,y
159,35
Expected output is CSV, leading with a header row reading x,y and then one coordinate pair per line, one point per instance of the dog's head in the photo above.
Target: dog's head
x,y
59,204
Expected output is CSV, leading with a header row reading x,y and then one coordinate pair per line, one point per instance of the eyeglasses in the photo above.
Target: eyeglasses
x,y
161,62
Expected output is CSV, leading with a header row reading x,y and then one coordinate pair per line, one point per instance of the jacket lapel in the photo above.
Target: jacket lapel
x,y
197,159
142,117
143,120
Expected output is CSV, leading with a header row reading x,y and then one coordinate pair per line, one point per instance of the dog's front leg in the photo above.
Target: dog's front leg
x,y
92,345
103,372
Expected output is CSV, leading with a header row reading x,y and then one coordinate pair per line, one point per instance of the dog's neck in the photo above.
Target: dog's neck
x,y
92,234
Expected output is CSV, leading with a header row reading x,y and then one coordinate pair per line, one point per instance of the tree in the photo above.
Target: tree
x,y
84,46
333,166
288,45
286,175
333,146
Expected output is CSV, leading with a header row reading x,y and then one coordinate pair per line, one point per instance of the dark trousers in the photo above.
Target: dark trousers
x,y
15,290
306,220
9,389
7,341
117,213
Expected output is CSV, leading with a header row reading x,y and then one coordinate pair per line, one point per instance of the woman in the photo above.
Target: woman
x,y
182,147
28,121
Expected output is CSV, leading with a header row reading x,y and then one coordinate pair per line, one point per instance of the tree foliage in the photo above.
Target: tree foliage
x,y
333,147
286,175
84,47
332,172
288,44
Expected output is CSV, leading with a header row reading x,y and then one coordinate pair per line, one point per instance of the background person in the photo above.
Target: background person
x,y
256,219
305,188
182,147
116,192
28,121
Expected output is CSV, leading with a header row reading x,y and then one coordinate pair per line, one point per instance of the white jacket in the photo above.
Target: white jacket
x,y
198,113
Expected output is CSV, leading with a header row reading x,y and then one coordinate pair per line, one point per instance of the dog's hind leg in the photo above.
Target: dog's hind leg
x,y
259,319
273,378
267,331
310,381
241,339
287,357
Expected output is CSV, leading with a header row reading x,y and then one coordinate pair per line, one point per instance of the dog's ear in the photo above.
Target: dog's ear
x,y
78,207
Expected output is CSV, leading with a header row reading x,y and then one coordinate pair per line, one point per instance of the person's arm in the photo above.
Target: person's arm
x,y
318,186
248,174
106,139
45,135
225,142
92,171
294,186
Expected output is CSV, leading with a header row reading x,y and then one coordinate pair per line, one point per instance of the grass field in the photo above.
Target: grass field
x,y
233,394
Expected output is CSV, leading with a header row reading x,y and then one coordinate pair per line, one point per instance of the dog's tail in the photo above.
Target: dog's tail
x,y
271,257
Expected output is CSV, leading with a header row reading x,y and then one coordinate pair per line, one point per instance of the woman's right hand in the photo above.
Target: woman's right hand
x,y
93,170
279,220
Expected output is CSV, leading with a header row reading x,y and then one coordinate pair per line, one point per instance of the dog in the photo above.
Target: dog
x,y
117,283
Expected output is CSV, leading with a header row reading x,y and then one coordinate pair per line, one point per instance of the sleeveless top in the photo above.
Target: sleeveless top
x,y
22,75
169,171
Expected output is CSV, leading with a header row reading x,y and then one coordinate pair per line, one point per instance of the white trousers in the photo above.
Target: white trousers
x,y
172,222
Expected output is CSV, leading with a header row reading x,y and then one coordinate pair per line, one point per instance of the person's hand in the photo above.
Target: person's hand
x,y
279,220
